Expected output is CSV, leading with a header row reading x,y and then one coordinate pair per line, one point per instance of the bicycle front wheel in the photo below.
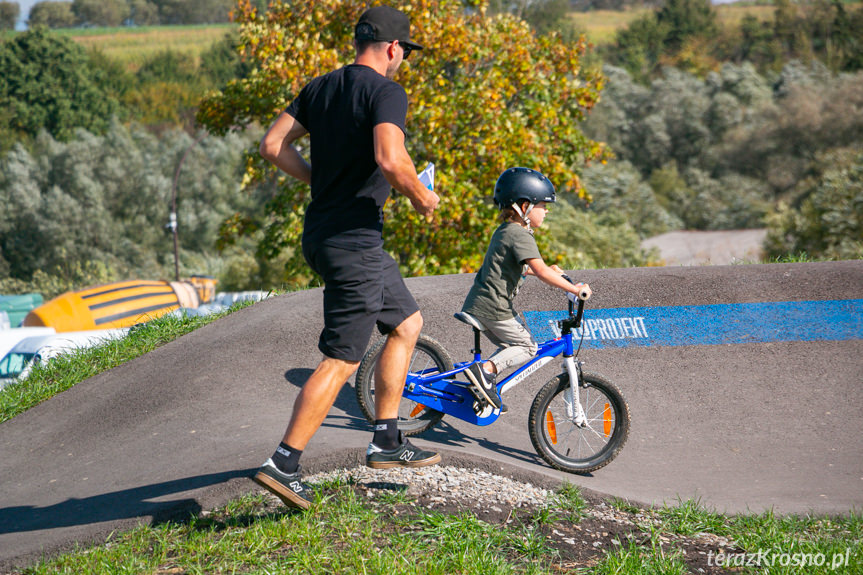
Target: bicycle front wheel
x,y
414,418
567,446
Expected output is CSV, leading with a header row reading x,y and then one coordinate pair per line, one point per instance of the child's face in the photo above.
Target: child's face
x,y
537,214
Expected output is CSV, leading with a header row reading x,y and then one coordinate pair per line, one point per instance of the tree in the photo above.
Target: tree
x,y
143,13
487,95
829,222
551,15
106,199
619,193
677,32
51,15
197,12
587,239
48,82
9,12
100,12
686,19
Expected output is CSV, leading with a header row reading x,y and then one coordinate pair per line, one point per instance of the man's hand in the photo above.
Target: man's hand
x,y
426,205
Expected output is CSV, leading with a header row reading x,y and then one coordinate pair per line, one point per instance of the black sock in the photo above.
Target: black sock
x,y
286,458
386,433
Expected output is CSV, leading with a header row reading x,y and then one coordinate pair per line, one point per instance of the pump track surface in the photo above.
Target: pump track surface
x,y
744,383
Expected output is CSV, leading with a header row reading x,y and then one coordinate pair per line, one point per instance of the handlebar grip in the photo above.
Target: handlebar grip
x,y
583,295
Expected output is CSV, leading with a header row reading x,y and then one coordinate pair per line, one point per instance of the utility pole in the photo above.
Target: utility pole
x,y
172,222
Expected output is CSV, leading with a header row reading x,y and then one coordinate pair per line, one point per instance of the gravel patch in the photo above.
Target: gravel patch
x,y
441,483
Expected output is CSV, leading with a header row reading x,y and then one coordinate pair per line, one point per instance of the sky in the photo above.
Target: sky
x,y
25,10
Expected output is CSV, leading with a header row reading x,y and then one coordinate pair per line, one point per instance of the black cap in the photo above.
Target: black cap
x,y
385,24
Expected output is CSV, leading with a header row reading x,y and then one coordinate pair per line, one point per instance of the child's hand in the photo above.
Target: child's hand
x,y
556,268
583,292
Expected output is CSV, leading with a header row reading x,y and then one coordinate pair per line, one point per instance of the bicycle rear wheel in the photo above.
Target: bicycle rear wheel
x,y
414,418
565,445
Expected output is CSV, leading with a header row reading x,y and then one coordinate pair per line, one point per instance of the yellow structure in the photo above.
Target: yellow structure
x,y
120,304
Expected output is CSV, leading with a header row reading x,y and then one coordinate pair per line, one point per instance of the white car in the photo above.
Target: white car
x,y
18,362
9,338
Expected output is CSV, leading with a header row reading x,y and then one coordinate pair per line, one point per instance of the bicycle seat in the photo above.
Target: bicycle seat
x,y
469,319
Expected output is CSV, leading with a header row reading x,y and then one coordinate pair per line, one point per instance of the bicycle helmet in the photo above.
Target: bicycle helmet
x,y
517,184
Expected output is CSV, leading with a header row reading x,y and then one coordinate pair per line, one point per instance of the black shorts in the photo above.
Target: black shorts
x,y
362,288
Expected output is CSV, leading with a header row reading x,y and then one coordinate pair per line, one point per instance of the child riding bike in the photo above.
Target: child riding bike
x,y
522,195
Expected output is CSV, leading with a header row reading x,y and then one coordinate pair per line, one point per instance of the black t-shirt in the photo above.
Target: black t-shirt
x,y
340,111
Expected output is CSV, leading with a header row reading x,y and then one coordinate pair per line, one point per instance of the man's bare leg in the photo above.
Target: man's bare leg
x,y
390,376
278,474
392,368
316,398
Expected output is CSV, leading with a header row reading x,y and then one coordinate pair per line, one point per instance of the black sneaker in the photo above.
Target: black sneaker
x,y
483,384
288,487
405,455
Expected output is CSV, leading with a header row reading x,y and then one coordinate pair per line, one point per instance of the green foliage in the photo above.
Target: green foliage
x,y
829,221
9,12
222,63
51,14
544,16
197,12
719,152
587,239
142,13
490,95
685,34
106,199
166,66
48,82
811,111
100,12
646,559
664,35
618,190
685,19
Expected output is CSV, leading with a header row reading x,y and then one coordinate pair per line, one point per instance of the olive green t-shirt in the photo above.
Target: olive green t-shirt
x,y
500,276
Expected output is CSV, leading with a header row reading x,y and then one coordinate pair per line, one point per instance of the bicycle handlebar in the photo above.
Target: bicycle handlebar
x,y
583,295
579,298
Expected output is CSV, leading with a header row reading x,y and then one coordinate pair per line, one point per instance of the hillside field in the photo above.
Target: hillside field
x,y
133,46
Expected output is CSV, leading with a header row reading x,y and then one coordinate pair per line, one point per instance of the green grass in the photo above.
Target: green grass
x,y
345,532
50,378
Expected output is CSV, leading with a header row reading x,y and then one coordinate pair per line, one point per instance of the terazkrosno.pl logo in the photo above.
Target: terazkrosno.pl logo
x,y
774,558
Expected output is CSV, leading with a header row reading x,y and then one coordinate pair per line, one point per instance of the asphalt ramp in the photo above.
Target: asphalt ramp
x,y
745,386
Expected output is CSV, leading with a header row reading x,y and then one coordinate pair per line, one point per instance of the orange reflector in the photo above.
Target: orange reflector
x,y
417,409
606,420
552,429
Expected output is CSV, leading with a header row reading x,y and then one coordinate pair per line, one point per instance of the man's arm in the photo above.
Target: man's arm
x,y
277,147
399,170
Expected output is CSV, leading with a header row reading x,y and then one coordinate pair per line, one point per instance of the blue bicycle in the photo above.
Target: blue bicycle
x,y
578,421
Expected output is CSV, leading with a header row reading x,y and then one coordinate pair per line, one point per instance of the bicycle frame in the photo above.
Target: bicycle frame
x,y
441,392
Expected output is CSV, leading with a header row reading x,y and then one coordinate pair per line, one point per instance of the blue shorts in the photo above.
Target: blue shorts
x,y
363,288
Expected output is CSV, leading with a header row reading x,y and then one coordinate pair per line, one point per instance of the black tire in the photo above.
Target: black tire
x,y
564,445
413,417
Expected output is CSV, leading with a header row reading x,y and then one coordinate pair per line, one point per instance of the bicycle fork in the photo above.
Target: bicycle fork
x,y
574,410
